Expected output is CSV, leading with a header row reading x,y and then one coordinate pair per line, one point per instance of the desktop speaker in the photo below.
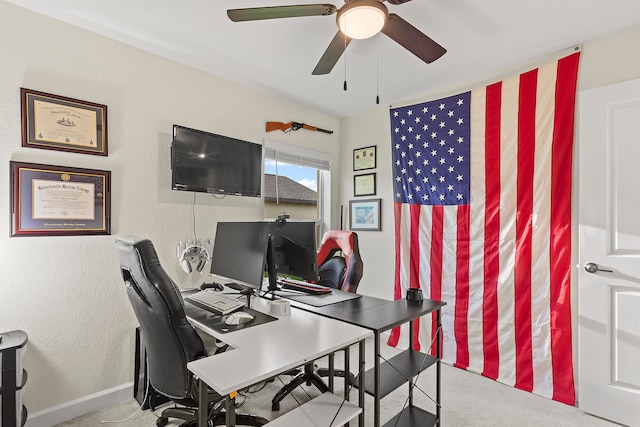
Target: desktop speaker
x,y
197,254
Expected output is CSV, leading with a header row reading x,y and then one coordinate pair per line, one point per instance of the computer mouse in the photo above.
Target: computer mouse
x,y
238,318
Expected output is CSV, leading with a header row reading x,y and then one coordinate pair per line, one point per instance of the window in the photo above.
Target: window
x,y
297,182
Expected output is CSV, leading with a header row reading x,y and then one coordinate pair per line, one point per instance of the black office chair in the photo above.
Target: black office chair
x,y
171,341
338,272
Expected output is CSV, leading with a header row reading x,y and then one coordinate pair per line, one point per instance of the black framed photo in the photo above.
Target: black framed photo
x,y
364,215
53,122
364,158
364,185
52,200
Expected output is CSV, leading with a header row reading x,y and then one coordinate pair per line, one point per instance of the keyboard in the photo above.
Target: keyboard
x,y
302,286
215,302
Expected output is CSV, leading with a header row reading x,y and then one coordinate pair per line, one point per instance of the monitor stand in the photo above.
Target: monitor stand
x,y
242,290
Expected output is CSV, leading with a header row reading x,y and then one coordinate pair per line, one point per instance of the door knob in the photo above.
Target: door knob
x,y
593,268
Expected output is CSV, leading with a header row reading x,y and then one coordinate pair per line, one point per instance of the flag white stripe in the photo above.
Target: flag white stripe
x,y
476,230
508,194
540,315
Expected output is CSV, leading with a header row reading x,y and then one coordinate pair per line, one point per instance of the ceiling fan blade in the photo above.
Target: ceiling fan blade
x,y
332,54
412,39
273,12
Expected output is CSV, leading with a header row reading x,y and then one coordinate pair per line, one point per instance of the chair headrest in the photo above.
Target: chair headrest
x,y
337,240
347,242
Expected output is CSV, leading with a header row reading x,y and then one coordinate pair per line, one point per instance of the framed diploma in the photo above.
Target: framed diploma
x,y
53,122
364,185
364,158
364,215
59,201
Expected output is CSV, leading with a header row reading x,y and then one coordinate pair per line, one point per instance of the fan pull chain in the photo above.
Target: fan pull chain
x,y
345,59
378,70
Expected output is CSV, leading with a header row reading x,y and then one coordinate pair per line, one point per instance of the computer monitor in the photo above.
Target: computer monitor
x,y
239,252
292,251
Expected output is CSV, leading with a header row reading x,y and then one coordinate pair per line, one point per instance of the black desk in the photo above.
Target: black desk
x,y
379,315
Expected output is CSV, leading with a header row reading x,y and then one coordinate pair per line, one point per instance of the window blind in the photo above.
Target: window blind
x,y
286,153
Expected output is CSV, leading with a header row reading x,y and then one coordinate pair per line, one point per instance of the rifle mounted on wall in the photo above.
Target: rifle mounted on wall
x,y
288,127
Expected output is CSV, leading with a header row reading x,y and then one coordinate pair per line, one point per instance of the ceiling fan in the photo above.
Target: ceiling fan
x,y
357,19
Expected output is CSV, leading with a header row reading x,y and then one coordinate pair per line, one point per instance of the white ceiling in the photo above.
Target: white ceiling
x,y
484,38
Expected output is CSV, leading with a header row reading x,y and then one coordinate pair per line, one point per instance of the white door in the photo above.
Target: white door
x,y
609,236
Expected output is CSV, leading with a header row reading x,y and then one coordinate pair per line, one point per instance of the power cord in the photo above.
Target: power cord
x,y
144,399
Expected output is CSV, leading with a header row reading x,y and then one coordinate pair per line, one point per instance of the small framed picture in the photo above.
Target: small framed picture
x,y
364,214
364,158
53,122
364,185
52,200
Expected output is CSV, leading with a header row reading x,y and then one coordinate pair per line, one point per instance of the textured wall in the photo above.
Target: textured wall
x,y
66,292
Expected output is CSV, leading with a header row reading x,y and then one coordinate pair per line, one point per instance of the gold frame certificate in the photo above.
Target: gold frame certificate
x,y
61,201
364,158
55,122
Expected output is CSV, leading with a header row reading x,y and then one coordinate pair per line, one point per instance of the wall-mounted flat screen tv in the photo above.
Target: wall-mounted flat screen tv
x,y
210,163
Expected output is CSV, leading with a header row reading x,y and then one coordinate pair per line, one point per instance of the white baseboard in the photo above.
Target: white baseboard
x,y
79,407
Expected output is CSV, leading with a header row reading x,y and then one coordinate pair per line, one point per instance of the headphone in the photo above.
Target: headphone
x,y
191,254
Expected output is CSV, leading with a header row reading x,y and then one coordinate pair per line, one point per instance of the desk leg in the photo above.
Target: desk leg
x,y
230,413
376,380
347,368
361,367
411,326
203,404
331,371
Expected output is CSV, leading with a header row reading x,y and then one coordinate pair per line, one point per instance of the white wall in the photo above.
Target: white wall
x,y
66,292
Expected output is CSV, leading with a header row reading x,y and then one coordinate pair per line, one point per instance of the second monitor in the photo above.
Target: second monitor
x,y
292,252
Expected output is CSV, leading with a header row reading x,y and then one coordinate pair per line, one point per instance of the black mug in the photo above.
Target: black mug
x,y
414,295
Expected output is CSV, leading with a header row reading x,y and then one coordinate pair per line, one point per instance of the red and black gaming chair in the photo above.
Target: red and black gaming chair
x,y
340,272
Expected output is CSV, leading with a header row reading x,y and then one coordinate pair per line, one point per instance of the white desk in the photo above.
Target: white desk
x,y
263,351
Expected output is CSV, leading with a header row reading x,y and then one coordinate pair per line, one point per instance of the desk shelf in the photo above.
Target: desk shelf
x,y
412,416
319,411
398,371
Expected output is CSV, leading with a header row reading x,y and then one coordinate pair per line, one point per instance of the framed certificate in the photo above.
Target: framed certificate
x,y
364,158
364,214
53,122
364,185
61,201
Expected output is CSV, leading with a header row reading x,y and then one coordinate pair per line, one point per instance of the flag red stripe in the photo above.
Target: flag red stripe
x,y
492,231
394,336
524,215
414,281
560,254
435,259
461,326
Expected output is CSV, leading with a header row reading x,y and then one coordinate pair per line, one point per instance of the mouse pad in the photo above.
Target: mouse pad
x,y
216,321
334,297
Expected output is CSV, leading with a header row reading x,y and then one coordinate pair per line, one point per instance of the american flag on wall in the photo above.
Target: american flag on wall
x,y
482,191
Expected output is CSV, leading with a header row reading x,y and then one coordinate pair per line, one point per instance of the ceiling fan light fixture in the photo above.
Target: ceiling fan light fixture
x,y
361,19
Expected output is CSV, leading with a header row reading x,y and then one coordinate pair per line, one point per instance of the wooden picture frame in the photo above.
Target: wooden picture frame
x,y
364,185
364,215
364,158
53,122
52,200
